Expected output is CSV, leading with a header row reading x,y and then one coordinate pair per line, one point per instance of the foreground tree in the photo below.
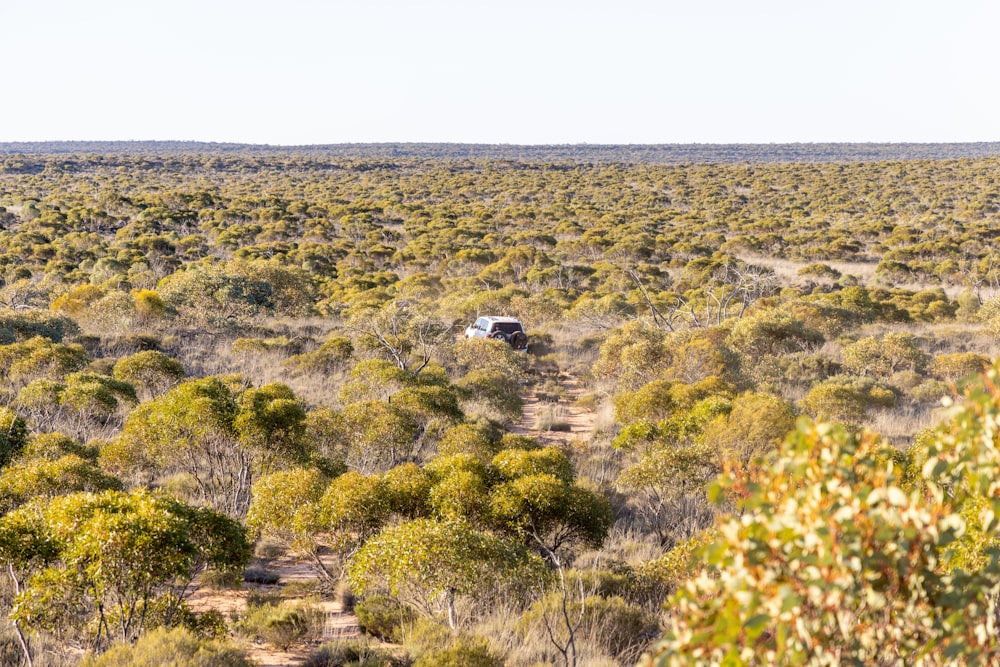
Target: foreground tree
x,y
840,554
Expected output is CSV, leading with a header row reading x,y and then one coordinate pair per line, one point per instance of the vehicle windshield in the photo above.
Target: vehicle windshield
x,y
507,327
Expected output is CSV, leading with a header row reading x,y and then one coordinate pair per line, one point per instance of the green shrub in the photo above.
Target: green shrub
x,y
884,356
177,647
930,392
282,625
285,627
352,653
463,652
754,425
479,439
959,365
499,391
820,270
847,398
426,634
382,616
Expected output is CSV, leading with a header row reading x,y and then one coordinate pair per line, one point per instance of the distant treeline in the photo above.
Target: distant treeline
x,y
624,153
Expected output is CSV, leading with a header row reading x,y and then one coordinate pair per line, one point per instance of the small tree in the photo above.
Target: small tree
x,y
285,505
881,357
218,432
152,373
430,563
97,564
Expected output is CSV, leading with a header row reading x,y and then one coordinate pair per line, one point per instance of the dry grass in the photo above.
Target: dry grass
x,y
898,426
552,417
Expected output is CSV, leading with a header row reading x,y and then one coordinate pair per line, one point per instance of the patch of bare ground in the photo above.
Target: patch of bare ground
x,y
337,624
557,422
787,271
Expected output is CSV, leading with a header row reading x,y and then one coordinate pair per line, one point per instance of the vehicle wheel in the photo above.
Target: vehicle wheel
x,y
519,340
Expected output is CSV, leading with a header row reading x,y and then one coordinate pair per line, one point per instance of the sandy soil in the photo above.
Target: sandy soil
x,y
581,421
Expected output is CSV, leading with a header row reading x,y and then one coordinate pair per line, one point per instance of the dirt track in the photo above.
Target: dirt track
x,y
338,624
580,420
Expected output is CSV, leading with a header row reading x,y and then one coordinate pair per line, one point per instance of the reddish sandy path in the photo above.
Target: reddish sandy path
x,y
581,421
338,624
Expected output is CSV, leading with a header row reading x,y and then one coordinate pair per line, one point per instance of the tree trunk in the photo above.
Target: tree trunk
x,y
451,609
22,640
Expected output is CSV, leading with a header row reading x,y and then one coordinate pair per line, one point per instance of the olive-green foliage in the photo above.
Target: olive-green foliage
x,y
383,617
52,446
931,392
772,332
958,365
512,463
374,380
283,625
660,399
881,357
428,403
45,478
462,652
284,505
686,426
374,435
499,391
633,355
651,402
150,372
24,325
96,562
13,435
407,487
323,438
820,270
989,315
81,401
216,296
353,653
846,398
177,647
218,431
550,512
806,368
427,563
478,439
330,357
40,358
753,426
490,356
461,488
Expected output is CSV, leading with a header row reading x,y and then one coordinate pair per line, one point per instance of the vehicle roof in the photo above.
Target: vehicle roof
x,y
500,318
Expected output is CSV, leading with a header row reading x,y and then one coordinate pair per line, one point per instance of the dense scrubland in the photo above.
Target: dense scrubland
x,y
211,357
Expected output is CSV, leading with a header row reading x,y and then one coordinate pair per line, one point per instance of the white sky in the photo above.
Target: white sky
x,y
506,71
